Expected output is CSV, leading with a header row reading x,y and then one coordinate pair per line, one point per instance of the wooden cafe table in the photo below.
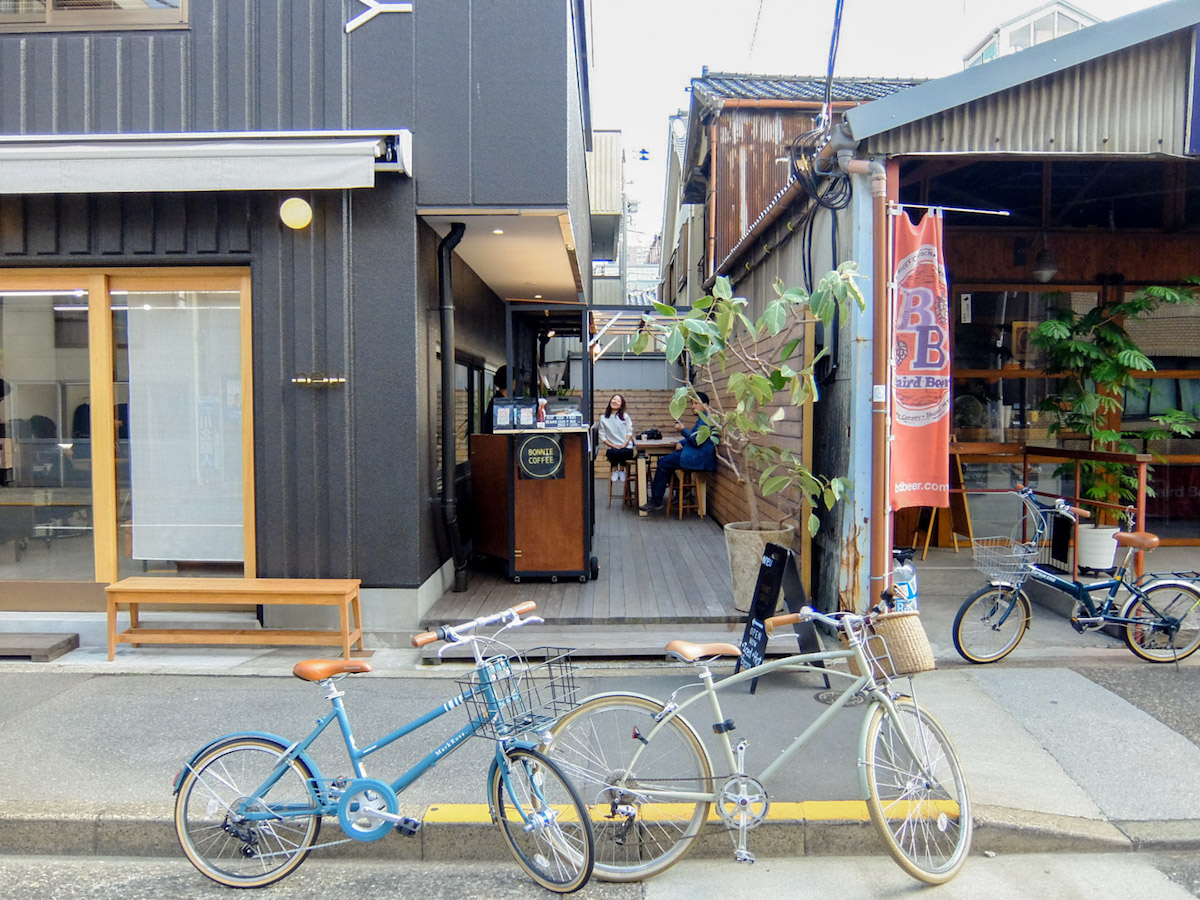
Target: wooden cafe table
x,y
646,450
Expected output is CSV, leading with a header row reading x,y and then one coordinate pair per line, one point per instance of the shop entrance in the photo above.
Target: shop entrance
x,y
126,446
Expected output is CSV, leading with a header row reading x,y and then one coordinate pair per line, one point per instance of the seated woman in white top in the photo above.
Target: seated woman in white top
x,y
616,432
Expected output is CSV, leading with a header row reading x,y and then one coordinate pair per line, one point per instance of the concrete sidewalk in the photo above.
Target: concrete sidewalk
x,y
1054,761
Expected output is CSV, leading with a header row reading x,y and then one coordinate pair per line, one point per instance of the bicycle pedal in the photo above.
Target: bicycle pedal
x,y
744,856
408,827
1083,624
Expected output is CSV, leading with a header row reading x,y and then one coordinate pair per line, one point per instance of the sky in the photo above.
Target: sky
x,y
644,54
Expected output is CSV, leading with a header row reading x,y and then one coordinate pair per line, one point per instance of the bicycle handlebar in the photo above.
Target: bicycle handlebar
x,y
455,633
1060,506
808,614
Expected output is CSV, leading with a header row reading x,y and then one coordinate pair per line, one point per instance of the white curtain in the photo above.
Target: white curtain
x,y
184,422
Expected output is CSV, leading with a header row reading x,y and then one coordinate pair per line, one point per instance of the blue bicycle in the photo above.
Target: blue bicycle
x,y
249,805
1159,620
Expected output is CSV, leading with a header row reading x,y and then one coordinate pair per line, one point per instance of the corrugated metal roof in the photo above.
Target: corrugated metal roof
x,y
713,86
1131,102
942,94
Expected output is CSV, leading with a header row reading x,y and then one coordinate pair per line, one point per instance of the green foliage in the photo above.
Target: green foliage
x,y
728,348
1096,363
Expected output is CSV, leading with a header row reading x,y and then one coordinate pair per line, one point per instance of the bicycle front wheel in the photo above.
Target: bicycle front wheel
x,y
917,800
603,746
1166,624
990,623
543,820
237,840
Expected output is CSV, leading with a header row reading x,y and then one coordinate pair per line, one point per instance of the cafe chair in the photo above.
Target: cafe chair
x,y
689,490
620,489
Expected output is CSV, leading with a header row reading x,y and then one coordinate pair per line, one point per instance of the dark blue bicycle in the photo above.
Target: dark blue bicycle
x,y
249,805
1160,621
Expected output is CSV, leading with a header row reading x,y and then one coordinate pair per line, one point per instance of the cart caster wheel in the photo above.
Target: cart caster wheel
x,y
554,579
516,579
595,568
583,579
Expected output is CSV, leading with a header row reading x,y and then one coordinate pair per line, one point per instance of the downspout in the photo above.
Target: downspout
x,y
449,461
881,552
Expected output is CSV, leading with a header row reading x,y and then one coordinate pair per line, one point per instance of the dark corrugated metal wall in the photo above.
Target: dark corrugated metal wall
x,y
344,476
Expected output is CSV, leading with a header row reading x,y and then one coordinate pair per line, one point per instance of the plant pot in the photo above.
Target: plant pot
x,y
745,546
1096,546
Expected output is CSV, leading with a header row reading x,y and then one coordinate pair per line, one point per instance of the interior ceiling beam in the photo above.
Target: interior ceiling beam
x,y
933,168
1081,194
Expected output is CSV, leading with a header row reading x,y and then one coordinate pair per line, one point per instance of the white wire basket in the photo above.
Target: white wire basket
x,y
520,694
1010,558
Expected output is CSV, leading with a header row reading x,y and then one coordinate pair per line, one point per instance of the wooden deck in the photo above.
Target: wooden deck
x,y
659,578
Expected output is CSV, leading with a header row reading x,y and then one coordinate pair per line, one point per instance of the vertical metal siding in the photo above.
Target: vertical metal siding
x,y
240,65
747,173
1134,101
604,173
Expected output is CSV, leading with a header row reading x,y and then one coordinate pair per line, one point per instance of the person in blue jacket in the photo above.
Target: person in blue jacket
x,y
689,453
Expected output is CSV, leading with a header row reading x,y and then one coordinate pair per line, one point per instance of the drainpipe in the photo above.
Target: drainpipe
x,y
881,552
449,462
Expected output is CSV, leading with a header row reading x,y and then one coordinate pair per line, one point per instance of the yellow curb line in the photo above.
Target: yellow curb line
x,y
807,811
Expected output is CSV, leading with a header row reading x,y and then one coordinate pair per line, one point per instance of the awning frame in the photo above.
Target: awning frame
x,y
200,161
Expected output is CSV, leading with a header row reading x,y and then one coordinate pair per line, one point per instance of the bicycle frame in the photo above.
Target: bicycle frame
x,y
328,804
804,662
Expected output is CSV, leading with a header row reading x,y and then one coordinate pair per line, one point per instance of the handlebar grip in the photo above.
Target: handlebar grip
x,y
779,621
425,637
1079,513
527,607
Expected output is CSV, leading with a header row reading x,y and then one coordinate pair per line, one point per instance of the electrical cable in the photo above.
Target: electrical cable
x,y
835,193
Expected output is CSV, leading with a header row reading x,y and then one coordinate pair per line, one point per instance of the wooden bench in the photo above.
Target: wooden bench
x,y
339,592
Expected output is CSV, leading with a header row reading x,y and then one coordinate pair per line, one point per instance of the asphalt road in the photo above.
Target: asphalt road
x,y
1169,694
1044,877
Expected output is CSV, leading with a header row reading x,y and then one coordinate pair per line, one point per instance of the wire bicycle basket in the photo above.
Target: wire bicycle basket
x,y
514,694
894,643
1009,558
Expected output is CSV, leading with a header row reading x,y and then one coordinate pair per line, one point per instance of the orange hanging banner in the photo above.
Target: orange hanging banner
x,y
920,445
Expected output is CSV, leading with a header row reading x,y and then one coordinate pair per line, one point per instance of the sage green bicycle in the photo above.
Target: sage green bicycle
x,y
649,783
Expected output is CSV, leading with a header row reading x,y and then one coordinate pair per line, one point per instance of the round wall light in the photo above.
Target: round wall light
x,y
295,213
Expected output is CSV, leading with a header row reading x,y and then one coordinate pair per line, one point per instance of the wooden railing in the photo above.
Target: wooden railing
x,y
993,452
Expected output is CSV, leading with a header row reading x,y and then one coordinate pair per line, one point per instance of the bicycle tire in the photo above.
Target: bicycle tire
x,y
925,824
1176,600
234,852
595,744
990,623
553,840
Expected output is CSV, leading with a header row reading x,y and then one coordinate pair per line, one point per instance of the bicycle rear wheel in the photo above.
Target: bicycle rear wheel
x,y
637,834
216,835
990,623
919,806
1167,625
543,820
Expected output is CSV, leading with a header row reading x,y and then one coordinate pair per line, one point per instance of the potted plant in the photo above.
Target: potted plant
x,y
752,370
1096,363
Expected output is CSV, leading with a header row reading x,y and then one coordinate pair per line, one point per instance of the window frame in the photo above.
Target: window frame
x,y
50,19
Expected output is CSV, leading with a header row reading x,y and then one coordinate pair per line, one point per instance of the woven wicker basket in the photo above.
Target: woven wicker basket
x,y
897,641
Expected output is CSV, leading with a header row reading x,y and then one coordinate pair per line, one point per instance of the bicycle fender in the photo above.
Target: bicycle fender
x,y
284,746
1189,586
607,694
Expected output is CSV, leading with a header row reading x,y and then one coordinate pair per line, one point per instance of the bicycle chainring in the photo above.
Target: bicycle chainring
x,y
743,802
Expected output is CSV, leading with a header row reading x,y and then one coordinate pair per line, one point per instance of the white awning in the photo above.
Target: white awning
x,y
252,161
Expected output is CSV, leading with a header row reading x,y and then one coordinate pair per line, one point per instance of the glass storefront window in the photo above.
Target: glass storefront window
x,y
46,522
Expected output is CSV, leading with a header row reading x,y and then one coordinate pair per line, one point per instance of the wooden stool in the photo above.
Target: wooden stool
x,y
617,488
689,492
